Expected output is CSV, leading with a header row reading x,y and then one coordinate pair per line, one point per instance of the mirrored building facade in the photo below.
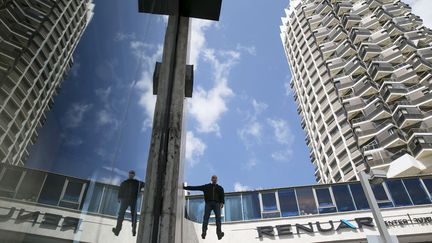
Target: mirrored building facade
x,y
38,38
361,73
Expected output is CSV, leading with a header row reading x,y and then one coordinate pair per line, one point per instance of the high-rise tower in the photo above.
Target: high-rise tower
x,y
37,39
361,75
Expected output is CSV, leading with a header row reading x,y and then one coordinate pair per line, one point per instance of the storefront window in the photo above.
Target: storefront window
x,y
288,203
306,201
325,201
110,204
251,206
73,193
416,191
428,183
96,191
233,208
381,196
359,196
30,186
52,189
398,193
196,209
343,198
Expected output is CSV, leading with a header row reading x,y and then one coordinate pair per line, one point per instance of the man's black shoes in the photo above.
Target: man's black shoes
x,y
133,232
115,231
220,235
203,235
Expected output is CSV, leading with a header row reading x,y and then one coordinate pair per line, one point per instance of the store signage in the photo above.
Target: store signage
x,y
408,220
48,220
287,229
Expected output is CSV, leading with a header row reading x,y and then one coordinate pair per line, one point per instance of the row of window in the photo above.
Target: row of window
x,y
51,189
316,200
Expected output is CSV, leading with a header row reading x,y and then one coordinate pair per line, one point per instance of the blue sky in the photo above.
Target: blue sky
x,y
242,119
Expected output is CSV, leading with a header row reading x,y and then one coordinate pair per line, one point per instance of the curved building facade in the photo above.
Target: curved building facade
x,y
361,73
37,40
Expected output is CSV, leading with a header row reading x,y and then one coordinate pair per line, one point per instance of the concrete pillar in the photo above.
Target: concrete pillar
x,y
163,205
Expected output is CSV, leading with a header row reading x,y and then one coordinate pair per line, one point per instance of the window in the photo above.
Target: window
x,y
269,205
359,196
251,206
343,198
428,184
52,189
96,192
288,203
306,201
233,208
72,194
109,204
398,193
31,186
196,209
9,181
325,201
416,191
381,196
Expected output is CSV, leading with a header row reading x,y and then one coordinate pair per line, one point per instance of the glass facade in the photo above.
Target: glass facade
x,y
313,200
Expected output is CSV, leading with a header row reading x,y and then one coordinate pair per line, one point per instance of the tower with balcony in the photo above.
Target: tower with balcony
x,y
37,39
361,75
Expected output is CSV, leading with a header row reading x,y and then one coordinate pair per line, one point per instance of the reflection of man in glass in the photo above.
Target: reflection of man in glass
x,y
214,198
127,197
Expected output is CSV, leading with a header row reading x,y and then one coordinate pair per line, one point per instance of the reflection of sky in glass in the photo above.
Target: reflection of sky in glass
x,y
97,128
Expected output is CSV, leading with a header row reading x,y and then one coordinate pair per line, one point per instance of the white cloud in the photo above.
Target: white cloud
x,y
104,118
251,163
284,155
124,36
281,131
197,42
72,141
195,148
148,57
238,187
75,115
103,94
251,50
207,107
252,130
422,8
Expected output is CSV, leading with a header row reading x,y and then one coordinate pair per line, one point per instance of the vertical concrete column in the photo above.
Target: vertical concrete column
x,y
162,211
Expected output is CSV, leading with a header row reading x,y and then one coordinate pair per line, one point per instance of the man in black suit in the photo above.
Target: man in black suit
x,y
127,196
214,197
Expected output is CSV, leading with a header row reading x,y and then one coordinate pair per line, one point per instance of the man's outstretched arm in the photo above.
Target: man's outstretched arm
x,y
194,188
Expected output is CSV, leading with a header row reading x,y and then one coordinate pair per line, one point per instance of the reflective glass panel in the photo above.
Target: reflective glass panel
x,y
269,201
196,209
110,204
52,189
30,186
233,208
428,184
416,191
9,182
359,196
306,201
381,196
325,202
398,193
288,203
73,191
251,206
95,192
343,198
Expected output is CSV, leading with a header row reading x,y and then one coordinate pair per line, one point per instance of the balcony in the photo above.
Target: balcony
x,y
405,73
406,46
380,69
394,29
420,64
321,34
354,106
336,34
315,20
380,37
359,34
365,87
369,50
383,15
354,67
350,20
418,132
425,53
416,36
345,50
329,20
391,138
328,49
344,84
335,65
368,130
360,9
421,146
323,8
370,22
343,7
309,9
392,55
394,91
407,23
374,113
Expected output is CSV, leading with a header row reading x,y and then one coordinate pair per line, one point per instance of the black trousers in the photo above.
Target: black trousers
x,y
215,206
124,204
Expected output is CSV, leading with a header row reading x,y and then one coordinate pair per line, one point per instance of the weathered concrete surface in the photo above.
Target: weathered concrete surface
x,y
163,191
